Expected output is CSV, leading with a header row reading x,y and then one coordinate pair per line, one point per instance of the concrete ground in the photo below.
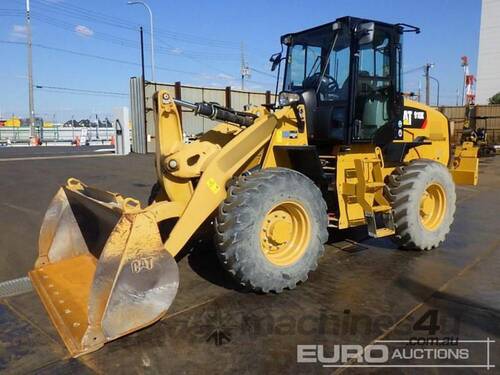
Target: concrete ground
x,y
360,294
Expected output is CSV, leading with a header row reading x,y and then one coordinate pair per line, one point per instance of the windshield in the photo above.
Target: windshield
x,y
310,55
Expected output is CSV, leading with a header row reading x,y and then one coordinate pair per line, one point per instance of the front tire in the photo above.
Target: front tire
x,y
271,228
423,200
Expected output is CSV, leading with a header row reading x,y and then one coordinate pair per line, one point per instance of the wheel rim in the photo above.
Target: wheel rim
x,y
285,233
432,206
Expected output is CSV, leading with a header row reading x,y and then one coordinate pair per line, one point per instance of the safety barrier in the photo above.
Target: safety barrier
x,y
56,134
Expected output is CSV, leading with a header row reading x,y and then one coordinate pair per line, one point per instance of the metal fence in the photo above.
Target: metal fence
x,y
483,116
55,134
143,136
137,117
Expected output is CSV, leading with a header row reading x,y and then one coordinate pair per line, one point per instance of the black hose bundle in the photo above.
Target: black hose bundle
x,y
216,112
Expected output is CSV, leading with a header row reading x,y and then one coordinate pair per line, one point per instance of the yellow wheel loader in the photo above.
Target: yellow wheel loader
x,y
340,148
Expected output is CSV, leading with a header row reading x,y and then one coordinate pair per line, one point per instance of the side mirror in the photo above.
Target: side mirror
x,y
275,59
365,32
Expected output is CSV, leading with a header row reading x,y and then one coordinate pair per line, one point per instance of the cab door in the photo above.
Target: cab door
x,y
377,102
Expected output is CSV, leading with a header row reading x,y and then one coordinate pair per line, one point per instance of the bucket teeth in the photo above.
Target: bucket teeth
x,y
64,289
102,270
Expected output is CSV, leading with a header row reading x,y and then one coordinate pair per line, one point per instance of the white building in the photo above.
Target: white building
x,y
488,71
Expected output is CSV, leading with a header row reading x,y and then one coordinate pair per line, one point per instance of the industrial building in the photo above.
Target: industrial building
x,y
488,73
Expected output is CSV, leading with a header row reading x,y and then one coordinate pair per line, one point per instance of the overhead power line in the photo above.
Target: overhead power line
x,y
263,73
77,12
110,38
104,58
43,7
81,90
6,11
113,60
415,69
74,11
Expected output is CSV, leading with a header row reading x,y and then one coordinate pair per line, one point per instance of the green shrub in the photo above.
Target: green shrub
x,y
495,99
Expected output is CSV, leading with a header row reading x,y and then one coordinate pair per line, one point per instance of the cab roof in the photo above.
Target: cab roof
x,y
351,22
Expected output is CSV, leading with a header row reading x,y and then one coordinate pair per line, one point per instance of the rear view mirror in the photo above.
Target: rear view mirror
x,y
275,59
365,32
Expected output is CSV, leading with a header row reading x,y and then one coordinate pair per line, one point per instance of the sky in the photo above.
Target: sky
x,y
93,46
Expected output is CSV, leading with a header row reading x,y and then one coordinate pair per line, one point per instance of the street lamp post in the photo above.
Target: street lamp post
x,y
30,74
152,36
427,68
437,82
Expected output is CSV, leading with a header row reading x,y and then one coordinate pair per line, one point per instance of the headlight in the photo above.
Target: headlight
x,y
286,98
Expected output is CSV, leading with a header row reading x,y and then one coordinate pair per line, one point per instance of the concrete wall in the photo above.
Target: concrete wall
x,y
488,73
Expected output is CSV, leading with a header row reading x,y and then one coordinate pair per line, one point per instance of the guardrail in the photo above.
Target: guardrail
x,y
56,134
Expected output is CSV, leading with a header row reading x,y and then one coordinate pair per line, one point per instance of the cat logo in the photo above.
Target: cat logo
x,y
140,264
407,117
414,118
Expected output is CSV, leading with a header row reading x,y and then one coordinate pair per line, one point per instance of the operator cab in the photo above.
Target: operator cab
x,y
347,73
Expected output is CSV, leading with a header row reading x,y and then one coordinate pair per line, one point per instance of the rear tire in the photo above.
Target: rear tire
x,y
423,200
271,228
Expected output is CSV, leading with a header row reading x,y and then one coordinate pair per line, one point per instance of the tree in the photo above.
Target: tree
x,y
495,99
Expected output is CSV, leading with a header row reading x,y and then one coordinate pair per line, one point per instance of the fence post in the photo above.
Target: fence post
x,y
228,96
472,116
178,95
268,97
145,113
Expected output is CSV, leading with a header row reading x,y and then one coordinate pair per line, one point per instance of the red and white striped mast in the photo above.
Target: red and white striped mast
x,y
468,94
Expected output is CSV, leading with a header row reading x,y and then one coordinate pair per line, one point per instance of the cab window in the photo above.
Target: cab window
x,y
373,86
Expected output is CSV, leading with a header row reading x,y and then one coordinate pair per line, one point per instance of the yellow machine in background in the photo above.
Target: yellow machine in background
x,y
340,149
13,122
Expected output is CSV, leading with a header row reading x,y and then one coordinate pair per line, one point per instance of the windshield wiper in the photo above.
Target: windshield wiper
x,y
327,61
318,58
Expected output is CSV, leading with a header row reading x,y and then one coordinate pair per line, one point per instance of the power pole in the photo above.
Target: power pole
x,y
30,72
427,68
143,79
465,66
245,70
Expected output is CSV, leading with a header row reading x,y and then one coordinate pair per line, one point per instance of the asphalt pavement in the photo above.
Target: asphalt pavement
x,y
361,294
17,152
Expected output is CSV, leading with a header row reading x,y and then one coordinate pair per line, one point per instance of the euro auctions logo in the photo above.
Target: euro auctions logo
x,y
342,354
428,353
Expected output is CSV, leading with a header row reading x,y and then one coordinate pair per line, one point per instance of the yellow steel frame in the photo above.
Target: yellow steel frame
x,y
228,150
218,167
360,183
465,169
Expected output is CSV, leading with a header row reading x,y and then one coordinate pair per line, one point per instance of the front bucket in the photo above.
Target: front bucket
x,y
102,270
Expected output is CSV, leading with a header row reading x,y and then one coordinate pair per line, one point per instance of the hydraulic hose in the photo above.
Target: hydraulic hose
x,y
215,111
